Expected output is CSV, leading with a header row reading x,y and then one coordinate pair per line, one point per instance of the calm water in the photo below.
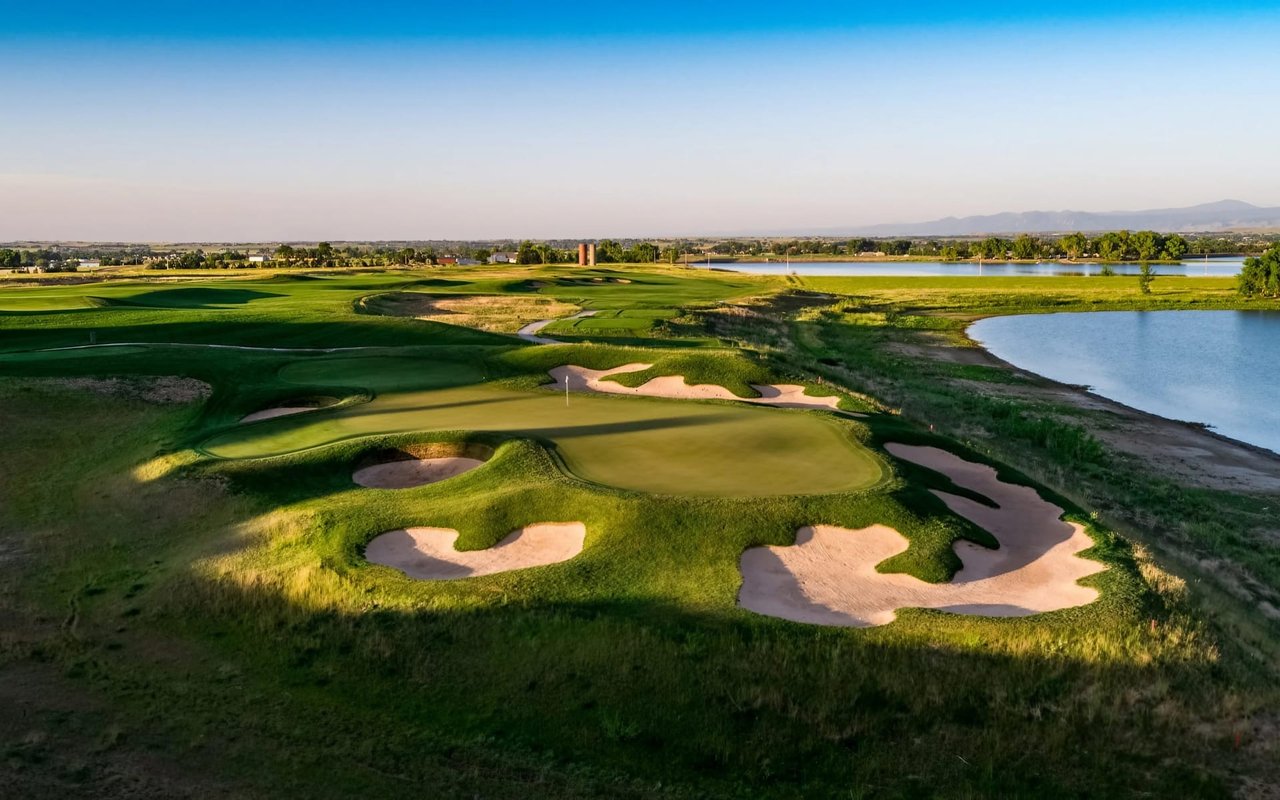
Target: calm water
x,y
1217,367
1218,267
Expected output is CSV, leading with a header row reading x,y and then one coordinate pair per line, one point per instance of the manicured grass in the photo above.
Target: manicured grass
x,y
205,581
640,444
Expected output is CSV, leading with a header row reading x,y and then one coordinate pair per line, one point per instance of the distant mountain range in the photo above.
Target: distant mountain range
x,y
1219,216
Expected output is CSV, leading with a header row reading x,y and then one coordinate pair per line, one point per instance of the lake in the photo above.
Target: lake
x,y
1221,368
1214,267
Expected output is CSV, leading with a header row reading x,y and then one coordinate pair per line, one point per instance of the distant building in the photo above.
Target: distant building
x,y
90,263
587,254
447,261
503,258
259,259
466,262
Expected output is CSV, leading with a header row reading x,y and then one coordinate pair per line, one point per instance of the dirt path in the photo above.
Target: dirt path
x,y
828,577
780,395
429,554
529,332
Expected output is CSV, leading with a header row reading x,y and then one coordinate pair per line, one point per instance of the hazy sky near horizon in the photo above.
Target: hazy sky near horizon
x,y
396,120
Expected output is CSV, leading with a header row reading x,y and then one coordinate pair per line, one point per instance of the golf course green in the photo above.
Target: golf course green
x,y
658,446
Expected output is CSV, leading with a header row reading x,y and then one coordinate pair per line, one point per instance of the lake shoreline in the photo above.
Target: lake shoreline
x,y
1231,464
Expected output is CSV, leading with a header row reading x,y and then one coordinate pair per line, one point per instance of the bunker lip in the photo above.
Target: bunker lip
x,y
294,407
779,395
419,465
429,553
828,576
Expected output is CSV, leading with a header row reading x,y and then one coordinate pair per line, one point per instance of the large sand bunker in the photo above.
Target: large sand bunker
x,y
419,465
782,395
429,554
828,576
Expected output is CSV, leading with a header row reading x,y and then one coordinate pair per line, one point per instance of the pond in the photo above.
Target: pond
x,y
1221,368
1214,268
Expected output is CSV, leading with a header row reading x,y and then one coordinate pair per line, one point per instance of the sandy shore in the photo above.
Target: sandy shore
x,y
1191,454
781,395
828,576
429,554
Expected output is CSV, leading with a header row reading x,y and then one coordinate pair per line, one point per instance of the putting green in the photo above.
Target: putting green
x,y
658,446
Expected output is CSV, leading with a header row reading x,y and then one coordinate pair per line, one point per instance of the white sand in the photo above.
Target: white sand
x,y
407,473
429,554
781,395
828,576
271,413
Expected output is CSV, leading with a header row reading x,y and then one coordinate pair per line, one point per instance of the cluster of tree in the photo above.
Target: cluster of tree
x,y
323,254
42,259
1261,275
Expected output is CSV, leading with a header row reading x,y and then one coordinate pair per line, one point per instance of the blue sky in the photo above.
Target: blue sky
x,y
278,120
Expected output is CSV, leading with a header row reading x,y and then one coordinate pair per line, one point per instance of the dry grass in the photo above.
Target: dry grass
x,y
493,313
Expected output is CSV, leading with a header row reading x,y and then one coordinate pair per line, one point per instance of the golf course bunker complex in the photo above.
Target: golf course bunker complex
x,y
781,395
419,465
828,577
429,554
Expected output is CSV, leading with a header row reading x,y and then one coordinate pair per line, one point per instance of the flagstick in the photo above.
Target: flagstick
x,y
566,391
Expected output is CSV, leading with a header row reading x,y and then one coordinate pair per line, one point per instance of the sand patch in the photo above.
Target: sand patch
x,y
419,465
828,576
413,472
272,413
429,554
530,332
781,395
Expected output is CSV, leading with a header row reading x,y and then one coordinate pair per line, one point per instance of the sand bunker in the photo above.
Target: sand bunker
x,y
429,554
413,472
420,464
781,395
828,576
272,413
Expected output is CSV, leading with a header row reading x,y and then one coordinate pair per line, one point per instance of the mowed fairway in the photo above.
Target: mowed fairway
x,y
664,447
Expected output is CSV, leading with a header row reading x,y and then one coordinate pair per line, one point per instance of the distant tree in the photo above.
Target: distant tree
x,y
1146,245
526,254
1261,274
1026,247
285,253
1175,247
993,247
1074,245
949,253
1114,246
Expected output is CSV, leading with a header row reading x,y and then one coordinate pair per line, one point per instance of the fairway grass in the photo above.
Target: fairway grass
x,y
208,584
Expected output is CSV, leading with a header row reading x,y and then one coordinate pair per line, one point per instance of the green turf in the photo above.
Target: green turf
x,y
645,445
203,581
